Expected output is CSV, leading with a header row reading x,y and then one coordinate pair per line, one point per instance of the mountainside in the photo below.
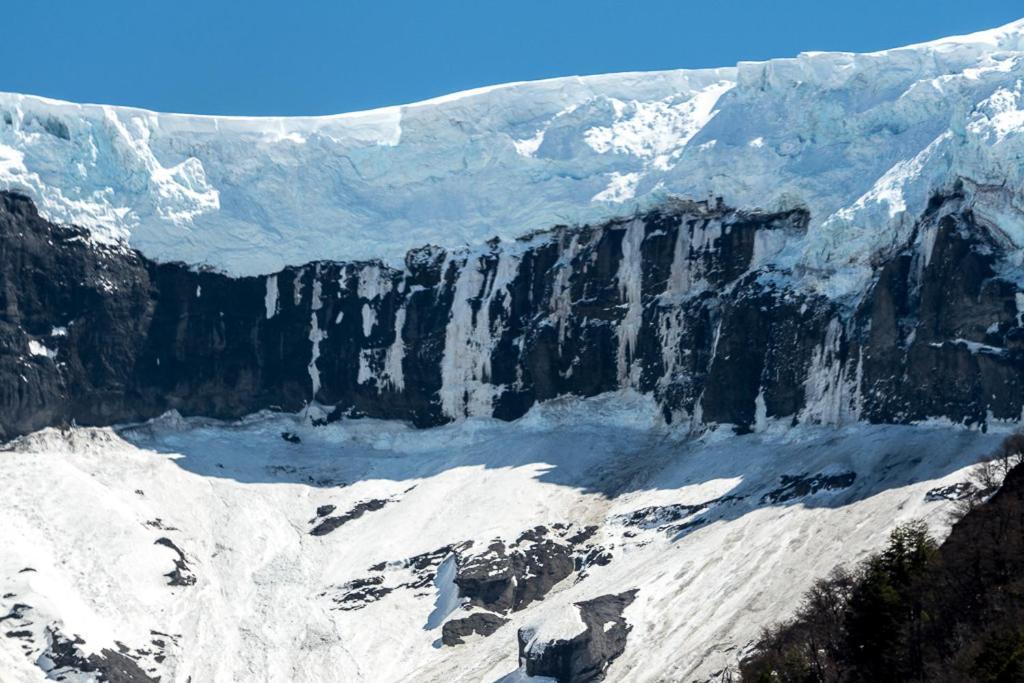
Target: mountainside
x,y
372,551
580,379
917,611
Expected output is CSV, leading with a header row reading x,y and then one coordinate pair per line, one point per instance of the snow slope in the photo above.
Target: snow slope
x,y
83,508
860,139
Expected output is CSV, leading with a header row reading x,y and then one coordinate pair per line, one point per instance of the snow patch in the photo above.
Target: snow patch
x,y
621,187
36,348
529,146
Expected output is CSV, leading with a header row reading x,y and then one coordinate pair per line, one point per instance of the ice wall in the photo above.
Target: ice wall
x,y
862,141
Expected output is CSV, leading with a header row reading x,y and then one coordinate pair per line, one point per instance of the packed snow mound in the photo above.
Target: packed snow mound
x,y
861,140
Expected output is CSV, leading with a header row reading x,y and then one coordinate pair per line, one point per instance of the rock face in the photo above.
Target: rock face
x,y
941,330
481,623
681,302
586,656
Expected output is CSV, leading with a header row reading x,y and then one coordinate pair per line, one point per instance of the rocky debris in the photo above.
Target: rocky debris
x,y
161,642
658,516
16,613
958,491
328,524
157,523
586,656
325,482
579,538
309,475
358,593
387,577
591,556
424,566
291,437
586,554
484,624
182,574
503,578
63,657
672,518
17,626
802,485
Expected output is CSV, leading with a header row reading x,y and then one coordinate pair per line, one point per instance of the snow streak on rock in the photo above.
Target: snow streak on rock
x,y
470,334
832,393
270,301
393,373
316,335
630,279
561,291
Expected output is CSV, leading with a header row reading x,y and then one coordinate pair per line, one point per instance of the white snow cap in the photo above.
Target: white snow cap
x,y
861,140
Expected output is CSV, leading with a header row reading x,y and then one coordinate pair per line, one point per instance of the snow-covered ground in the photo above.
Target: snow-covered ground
x,y
83,509
860,139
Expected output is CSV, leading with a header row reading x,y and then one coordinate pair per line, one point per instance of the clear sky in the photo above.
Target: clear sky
x,y
302,57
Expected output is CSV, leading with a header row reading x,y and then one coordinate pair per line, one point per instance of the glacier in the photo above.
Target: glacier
x,y
860,140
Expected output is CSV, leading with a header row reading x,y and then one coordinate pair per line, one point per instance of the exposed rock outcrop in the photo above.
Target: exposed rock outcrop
x,y
481,623
326,523
506,578
586,656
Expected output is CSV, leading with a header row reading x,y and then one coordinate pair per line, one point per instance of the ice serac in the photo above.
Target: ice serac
x,y
677,302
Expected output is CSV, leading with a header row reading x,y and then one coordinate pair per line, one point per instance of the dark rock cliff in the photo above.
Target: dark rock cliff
x,y
586,656
678,302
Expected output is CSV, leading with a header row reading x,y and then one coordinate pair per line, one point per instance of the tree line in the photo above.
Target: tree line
x,y
918,610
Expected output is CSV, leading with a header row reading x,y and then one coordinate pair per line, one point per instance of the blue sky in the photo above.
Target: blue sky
x,y
304,57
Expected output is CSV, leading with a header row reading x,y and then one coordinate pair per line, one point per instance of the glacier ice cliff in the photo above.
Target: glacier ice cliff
x,y
861,141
